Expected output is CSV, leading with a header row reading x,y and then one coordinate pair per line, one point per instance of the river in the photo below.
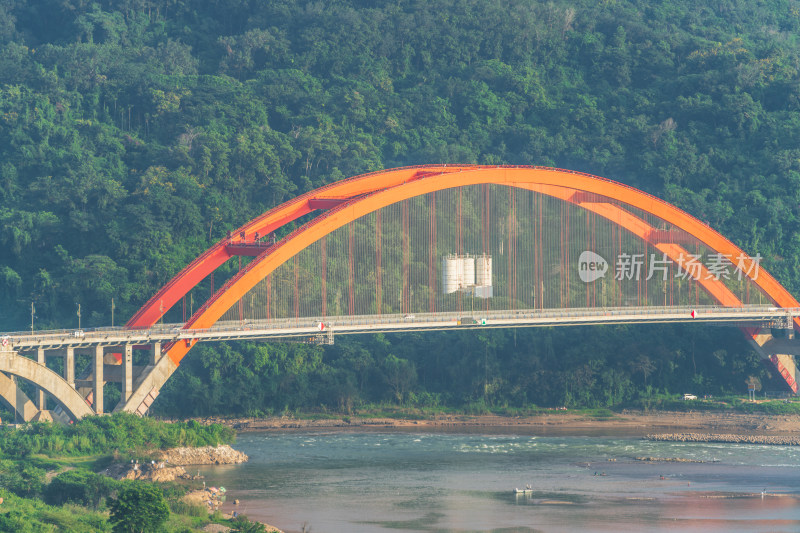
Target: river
x,y
404,481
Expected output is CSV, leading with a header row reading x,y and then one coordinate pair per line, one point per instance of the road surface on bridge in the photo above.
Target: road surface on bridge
x,y
311,327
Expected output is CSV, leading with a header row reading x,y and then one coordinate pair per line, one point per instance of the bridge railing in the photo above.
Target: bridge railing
x,y
176,331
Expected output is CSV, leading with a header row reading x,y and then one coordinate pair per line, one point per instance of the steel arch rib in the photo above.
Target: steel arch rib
x,y
271,220
522,177
641,229
350,188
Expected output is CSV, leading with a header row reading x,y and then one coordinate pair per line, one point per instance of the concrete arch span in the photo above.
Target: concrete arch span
x,y
69,398
16,399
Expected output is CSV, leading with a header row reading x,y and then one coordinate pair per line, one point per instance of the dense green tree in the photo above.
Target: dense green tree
x,y
138,508
23,479
79,486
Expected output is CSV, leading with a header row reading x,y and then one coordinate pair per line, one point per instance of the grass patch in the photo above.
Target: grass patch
x,y
660,402
188,509
599,414
730,404
93,462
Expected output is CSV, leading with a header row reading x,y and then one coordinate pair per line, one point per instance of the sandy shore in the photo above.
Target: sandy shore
x,y
634,423
210,499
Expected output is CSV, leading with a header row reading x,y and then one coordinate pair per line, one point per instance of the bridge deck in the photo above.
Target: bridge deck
x,y
302,327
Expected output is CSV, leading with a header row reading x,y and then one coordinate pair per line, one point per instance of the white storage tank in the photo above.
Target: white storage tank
x,y
468,271
452,273
483,271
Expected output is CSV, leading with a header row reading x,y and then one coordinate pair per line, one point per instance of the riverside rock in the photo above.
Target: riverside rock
x,y
203,455
158,472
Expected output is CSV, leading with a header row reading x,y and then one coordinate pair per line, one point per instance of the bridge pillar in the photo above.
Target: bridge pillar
x,y
127,373
41,397
69,366
97,384
155,353
782,352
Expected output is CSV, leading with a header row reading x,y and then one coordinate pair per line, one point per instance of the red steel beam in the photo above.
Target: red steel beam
x,y
249,249
326,203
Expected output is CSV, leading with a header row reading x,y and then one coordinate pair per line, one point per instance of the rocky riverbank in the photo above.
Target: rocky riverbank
x,y
170,463
775,440
203,455
158,472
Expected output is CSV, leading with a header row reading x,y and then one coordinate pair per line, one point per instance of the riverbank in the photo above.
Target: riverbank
x,y
171,461
633,423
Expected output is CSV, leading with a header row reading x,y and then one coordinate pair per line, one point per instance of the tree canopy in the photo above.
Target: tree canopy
x,y
138,508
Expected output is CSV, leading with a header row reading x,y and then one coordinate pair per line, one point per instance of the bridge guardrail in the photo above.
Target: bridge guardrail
x,y
304,325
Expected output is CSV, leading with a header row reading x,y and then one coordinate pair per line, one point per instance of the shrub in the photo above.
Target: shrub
x,y
138,507
105,434
241,524
23,480
81,487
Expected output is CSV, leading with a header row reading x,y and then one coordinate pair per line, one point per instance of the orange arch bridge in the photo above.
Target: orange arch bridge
x,y
430,239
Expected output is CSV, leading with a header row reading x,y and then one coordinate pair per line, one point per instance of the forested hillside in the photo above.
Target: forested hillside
x,y
135,133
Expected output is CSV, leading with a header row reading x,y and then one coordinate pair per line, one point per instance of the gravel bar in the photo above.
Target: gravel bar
x,y
776,440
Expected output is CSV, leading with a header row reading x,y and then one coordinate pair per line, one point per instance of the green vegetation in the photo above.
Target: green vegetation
x,y
724,403
80,487
120,433
47,485
241,524
138,508
134,134
111,511
26,515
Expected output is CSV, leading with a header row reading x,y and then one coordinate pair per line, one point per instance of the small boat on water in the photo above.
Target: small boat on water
x,y
527,490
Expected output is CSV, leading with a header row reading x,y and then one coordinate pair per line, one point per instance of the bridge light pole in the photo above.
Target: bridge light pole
x,y
33,314
112,312
79,314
